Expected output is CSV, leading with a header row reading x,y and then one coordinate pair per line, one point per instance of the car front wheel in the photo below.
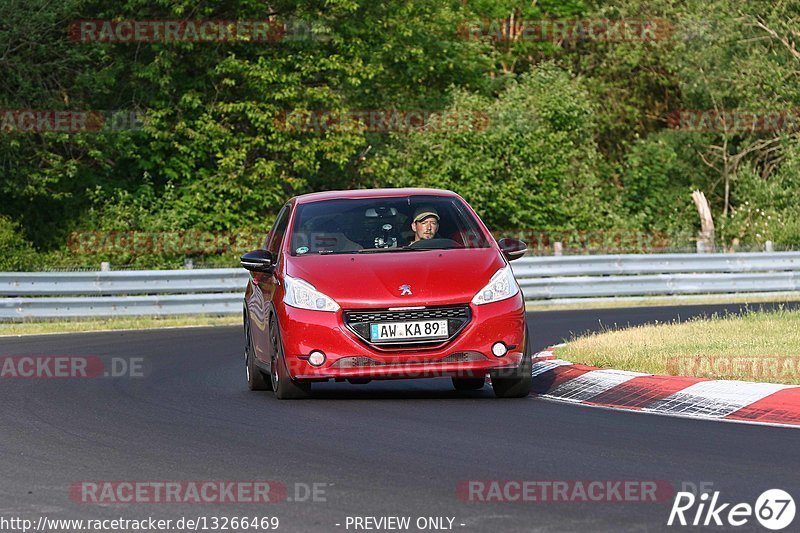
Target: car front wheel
x,y
283,385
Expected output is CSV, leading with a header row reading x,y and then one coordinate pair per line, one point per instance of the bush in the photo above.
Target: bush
x,y
765,209
534,166
16,253
657,178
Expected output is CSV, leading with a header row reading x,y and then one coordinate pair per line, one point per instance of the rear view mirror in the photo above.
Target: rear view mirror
x,y
257,261
381,212
512,248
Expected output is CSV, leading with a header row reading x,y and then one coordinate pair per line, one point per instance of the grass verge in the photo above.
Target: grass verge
x,y
665,301
754,346
117,323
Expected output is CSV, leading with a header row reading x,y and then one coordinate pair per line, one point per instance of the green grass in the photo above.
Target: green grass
x,y
66,326
644,301
755,346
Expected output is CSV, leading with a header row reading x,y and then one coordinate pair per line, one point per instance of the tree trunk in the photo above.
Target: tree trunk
x,y
706,236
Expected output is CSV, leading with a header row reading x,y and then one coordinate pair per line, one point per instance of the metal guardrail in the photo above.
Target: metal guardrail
x,y
122,282
213,291
598,265
168,305
542,279
562,277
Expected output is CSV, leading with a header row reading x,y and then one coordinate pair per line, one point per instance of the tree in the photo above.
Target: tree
x,y
533,166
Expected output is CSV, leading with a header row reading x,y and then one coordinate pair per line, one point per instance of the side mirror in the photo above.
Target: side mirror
x,y
512,248
257,261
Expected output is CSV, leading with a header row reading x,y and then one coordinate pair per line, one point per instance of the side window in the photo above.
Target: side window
x,y
278,230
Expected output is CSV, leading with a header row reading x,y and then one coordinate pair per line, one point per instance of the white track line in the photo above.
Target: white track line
x,y
715,399
588,385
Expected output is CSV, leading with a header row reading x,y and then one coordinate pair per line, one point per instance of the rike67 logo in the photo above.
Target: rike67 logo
x,y
774,509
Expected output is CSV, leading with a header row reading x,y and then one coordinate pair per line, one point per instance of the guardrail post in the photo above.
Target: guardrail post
x,y
188,264
558,248
768,247
701,247
105,266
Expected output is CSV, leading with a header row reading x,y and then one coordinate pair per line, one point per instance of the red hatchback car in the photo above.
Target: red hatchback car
x,y
384,284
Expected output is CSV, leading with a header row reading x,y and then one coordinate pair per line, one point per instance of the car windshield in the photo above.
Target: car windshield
x,y
384,224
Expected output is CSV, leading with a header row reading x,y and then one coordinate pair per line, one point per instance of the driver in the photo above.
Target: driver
x,y
424,223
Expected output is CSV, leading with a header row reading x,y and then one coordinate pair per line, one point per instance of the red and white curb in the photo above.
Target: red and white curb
x,y
734,401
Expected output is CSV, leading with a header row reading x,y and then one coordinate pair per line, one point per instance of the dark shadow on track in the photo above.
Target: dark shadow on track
x,y
396,389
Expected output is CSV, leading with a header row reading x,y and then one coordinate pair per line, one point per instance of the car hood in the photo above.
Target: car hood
x,y
373,280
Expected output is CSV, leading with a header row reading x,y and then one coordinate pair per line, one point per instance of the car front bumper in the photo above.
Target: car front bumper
x,y
347,356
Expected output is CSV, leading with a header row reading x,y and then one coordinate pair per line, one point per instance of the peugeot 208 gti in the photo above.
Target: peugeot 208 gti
x,y
384,284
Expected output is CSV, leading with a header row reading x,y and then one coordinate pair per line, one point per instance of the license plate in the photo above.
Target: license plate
x,y
427,329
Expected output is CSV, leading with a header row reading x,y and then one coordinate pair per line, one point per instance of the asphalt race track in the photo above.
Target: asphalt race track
x,y
396,448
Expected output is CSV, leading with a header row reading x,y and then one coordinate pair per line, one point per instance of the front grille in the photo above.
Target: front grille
x,y
359,322
407,315
463,357
354,362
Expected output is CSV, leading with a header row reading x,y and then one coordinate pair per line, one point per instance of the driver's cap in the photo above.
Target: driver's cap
x,y
424,212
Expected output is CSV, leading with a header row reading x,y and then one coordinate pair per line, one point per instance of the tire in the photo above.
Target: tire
x,y
516,383
284,387
256,379
469,383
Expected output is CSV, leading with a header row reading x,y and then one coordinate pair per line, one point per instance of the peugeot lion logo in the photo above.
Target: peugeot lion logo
x,y
405,290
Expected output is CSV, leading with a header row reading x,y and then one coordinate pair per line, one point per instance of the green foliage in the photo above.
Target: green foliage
x,y
766,209
657,178
16,253
537,149
577,139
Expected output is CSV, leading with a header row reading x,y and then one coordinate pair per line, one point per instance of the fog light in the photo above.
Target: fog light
x,y
316,358
499,349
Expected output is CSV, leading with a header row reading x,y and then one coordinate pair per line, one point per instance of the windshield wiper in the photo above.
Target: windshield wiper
x,y
398,249
329,252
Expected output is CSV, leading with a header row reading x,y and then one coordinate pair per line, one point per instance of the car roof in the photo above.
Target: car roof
x,y
370,193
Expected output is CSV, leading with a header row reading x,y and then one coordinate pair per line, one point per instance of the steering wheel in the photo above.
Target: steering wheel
x,y
436,242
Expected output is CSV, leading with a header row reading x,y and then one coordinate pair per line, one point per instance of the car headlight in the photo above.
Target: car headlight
x,y
501,287
303,295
